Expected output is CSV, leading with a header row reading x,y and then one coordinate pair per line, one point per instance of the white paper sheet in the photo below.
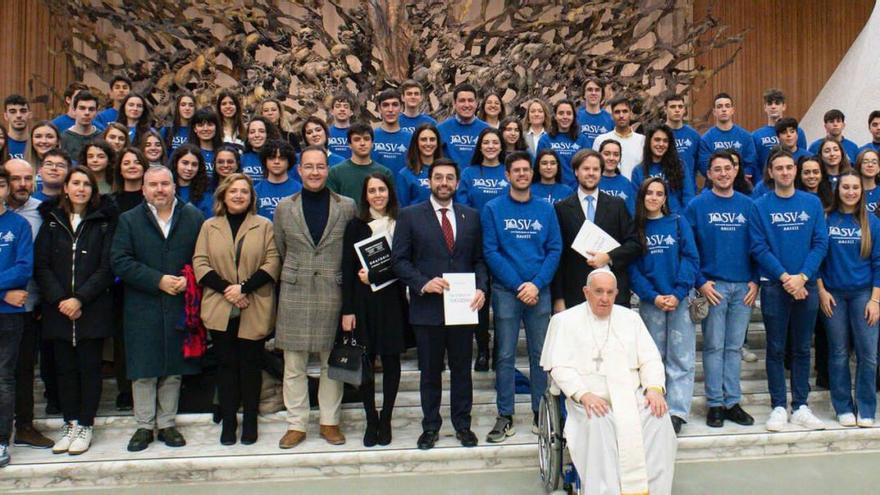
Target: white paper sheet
x,y
593,239
457,299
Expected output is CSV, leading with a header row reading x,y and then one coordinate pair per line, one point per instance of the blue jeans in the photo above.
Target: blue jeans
x,y
11,328
509,312
676,339
847,327
779,310
724,330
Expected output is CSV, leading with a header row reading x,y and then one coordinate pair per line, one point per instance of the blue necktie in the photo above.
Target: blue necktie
x,y
591,210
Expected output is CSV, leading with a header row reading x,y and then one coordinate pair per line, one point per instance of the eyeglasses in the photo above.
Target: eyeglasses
x,y
54,165
871,161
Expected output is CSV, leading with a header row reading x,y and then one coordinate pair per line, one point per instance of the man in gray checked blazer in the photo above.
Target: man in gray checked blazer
x,y
308,230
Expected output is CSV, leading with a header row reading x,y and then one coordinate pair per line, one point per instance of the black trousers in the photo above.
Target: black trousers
x,y
239,379
79,378
24,371
390,386
123,384
457,343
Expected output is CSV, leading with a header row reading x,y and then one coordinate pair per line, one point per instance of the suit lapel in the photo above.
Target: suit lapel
x,y
299,218
600,210
574,204
459,226
332,217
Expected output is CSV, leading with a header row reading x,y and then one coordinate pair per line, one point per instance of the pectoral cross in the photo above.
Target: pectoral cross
x,y
598,360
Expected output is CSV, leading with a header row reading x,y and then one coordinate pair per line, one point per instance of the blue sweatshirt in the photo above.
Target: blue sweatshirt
x,y
252,166
16,257
872,198
622,188
208,156
565,149
671,264
269,194
337,142
64,122
687,143
760,190
870,146
851,149
721,231
594,124
16,148
521,241
389,148
459,140
106,116
552,193
844,268
410,124
480,184
178,140
737,139
205,205
788,235
678,199
766,139
412,189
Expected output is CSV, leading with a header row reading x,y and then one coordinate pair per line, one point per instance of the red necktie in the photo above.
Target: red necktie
x,y
446,225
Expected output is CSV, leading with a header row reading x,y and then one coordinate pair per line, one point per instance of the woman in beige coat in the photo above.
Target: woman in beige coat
x,y
237,263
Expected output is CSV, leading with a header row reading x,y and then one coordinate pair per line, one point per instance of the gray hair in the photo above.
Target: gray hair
x,y
600,271
155,169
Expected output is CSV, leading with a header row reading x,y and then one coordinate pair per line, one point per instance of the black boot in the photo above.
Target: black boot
x,y
384,436
227,433
372,432
249,428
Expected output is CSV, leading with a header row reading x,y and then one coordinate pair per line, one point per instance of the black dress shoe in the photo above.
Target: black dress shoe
x,y
124,402
384,435
371,434
738,416
171,437
482,362
140,440
715,417
249,429
427,440
227,434
676,424
466,437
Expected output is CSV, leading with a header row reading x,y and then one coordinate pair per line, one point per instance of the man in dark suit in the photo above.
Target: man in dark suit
x,y
432,238
609,214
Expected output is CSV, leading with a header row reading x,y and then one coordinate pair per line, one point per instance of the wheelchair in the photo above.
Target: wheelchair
x,y
555,466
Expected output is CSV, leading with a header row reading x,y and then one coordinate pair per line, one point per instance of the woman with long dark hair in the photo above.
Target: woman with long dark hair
x,y
99,157
259,132
273,111
612,181
378,319
811,177
117,135
484,179
849,297
662,277
512,133
412,180
136,114
833,159
206,135
44,137
491,109
188,169
178,132
547,183
565,138
72,269
226,162
868,167
153,147
315,133
660,159
229,110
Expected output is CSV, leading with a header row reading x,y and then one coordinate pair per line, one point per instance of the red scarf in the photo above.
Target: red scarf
x,y
195,340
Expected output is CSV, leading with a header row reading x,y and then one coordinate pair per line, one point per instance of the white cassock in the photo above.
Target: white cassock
x,y
629,450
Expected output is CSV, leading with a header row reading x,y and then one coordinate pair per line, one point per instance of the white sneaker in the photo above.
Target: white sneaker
x,y
805,418
748,356
63,442
82,439
865,422
777,420
846,419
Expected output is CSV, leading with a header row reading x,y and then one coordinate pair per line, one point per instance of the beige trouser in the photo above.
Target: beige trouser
x,y
296,392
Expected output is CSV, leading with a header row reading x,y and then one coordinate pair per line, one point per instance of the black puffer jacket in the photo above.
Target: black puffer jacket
x,y
70,263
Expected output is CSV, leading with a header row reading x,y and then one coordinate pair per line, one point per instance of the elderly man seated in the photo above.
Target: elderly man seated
x,y
618,430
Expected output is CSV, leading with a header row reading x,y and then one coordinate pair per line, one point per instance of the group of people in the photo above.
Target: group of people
x,y
249,230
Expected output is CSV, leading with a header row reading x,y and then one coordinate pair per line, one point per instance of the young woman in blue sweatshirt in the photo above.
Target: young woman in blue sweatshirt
x,y
206,134
612,181
547,179
188,170
412,180
834,160
811,178
226,162
259,131
484,180
660,159
868,167
565,138
849,297
178,132
662,277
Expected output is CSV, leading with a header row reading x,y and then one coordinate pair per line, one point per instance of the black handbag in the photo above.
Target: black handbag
x,y
348,362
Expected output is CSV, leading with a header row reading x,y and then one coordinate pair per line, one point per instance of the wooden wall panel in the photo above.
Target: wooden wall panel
x,y
25,55
794,45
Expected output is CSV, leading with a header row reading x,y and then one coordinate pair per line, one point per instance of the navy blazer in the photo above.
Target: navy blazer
x,y
420,254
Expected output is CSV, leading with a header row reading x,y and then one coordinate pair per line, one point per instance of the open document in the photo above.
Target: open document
x,y
592,239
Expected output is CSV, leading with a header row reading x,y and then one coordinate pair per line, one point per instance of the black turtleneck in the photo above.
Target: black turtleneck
x,y
235,221
316,209
213,279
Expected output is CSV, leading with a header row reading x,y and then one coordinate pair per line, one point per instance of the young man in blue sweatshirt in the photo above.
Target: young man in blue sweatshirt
x,y
390,141
16,268
341,108
592,118
68,119
788,241
874,129
17,114
766,137
835,123
522,245
277,159
727,135
460,131
728,280
687,139
412,116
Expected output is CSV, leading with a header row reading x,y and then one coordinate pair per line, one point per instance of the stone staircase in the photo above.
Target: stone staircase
x,y
108,463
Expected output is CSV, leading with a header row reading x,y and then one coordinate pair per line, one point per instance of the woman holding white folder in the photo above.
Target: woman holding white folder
x,y
377,319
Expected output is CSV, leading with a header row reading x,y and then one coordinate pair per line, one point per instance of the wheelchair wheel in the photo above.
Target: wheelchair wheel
x,y
550,441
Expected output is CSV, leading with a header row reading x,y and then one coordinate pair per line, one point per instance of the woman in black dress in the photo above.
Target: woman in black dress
x,y
378,319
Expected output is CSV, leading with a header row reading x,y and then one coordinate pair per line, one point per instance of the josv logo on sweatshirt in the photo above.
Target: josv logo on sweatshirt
x,y
789,220
726,220
722,145
389,148
659,243
523,228
593,129
464,140
564,147
683,144
489,184
6,240
845,235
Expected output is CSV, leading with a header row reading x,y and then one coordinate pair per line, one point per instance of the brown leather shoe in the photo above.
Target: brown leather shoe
x,y
332,434
291,439
27,435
